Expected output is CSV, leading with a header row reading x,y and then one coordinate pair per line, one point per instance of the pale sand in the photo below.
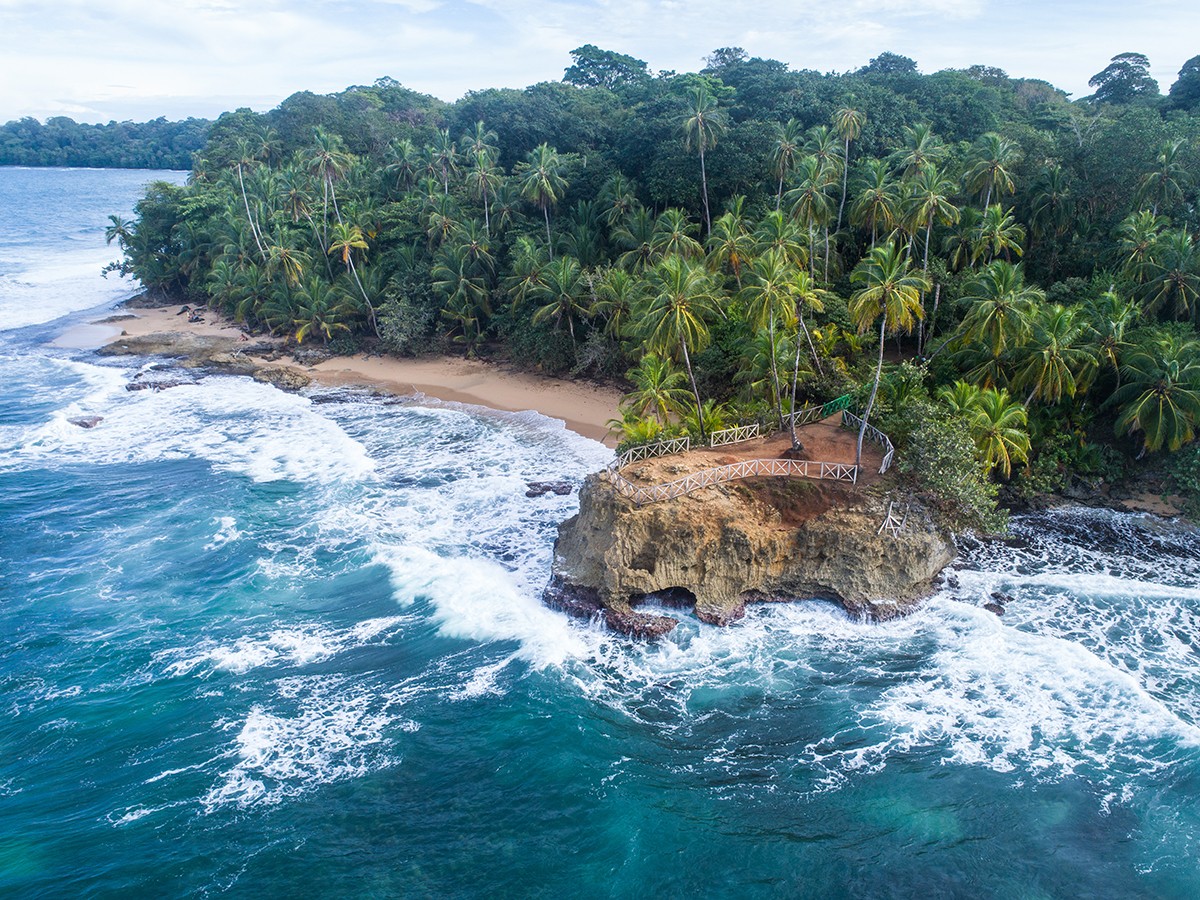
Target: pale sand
x,y
585,408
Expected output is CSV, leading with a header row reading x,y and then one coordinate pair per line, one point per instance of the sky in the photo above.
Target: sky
x,y
98,60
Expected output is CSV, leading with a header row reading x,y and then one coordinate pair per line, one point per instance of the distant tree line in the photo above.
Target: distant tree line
x,y
1009,281
61,141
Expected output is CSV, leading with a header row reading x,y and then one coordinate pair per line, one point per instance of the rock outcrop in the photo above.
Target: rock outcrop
x,y
217,352
762,540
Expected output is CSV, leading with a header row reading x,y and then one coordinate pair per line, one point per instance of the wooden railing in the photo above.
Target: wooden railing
x,y
734,435
853,422
747,468
649,451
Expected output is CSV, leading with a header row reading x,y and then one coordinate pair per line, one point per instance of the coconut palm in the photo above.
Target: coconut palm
x,y
922,148
961,397
618,295
998,233
618,198
321,309
346,239
1139,235
1161,394
636,234
730,244
999,428
328,160
929,203
810,202
1175,278
564,294
402,163
785,148
674,317
1000,308
1052,208
658,388
529,261
768,298
1108,318
1164,185
543,183
443,156
848,123
672,236
891,295
119,229
703,123
483,178
806,297
992,161
778,232
877,203
1055,362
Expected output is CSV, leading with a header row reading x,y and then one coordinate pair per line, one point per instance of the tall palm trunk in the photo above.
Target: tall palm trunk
x,y
366,299
845,174
704,184
249,217
775,367
549,240
862,431
687,361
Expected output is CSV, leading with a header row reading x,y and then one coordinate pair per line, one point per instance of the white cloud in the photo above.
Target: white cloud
x,y
138,58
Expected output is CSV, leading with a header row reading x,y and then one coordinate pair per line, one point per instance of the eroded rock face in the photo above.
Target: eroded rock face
x,y
744,542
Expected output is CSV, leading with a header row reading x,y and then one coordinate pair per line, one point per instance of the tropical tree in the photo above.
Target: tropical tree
x,y
891,295
810,202
1139,235
785,148
658,388
672,236
565,295
848,124
998,234
1164,185
320,309
1175,278
543,183
877,203
1055,361
768,298
922,148
674,318
730,244
703,123
999,428
1000,311
992,162
1161,394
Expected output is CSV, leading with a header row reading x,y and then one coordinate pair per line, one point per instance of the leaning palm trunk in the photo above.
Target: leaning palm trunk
x,y
704,185
845,173
366,299
775,368
549,240
862,431
687,361
249,217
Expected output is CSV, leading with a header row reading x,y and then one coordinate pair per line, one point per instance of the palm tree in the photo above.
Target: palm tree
x,y
617,298
998,233
848,123
483,179
1051,211
810,202
960,243
999,317
778,232
961,397
672,236
878,200
443,154
998,426
1164,185
481,142
730,244
636,234
891,294
565,295
543,183
328,160
119,229
1056,360
1161,394
1139,235
1108,318
929,203
658,388
320,308
768,298
991,166
1175,264
679,300
403,161
784,149
703,123
806,296
346,239
529,262
922,148
618,198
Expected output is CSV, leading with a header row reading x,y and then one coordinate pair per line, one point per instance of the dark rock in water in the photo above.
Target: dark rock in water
x,y
952,582
1001,598
538,488
286,378
994,608
87,421
183,309
584,603
155,385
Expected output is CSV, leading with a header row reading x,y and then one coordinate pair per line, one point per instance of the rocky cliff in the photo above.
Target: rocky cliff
x,y
766,539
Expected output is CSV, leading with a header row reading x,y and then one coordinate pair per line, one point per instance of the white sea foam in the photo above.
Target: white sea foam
x,y
291,645
236,424
227,532
319,730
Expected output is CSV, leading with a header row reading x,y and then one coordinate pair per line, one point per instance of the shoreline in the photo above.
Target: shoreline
x,y
584,408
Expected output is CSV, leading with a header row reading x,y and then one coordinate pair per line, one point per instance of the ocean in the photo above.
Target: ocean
x,y
263,644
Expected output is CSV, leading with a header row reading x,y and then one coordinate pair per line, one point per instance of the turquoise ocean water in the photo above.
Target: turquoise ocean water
x,y
263,644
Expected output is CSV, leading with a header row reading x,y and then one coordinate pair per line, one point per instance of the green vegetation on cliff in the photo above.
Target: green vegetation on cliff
x,y
961,247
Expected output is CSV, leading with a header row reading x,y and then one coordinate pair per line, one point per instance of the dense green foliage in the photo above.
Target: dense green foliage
x,y
158,144
738,241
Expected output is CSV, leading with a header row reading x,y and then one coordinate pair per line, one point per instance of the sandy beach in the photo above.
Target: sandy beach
x,y
585,408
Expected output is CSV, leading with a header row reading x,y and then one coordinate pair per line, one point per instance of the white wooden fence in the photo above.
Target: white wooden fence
x,y
649,451
748,468
734,435
853,422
